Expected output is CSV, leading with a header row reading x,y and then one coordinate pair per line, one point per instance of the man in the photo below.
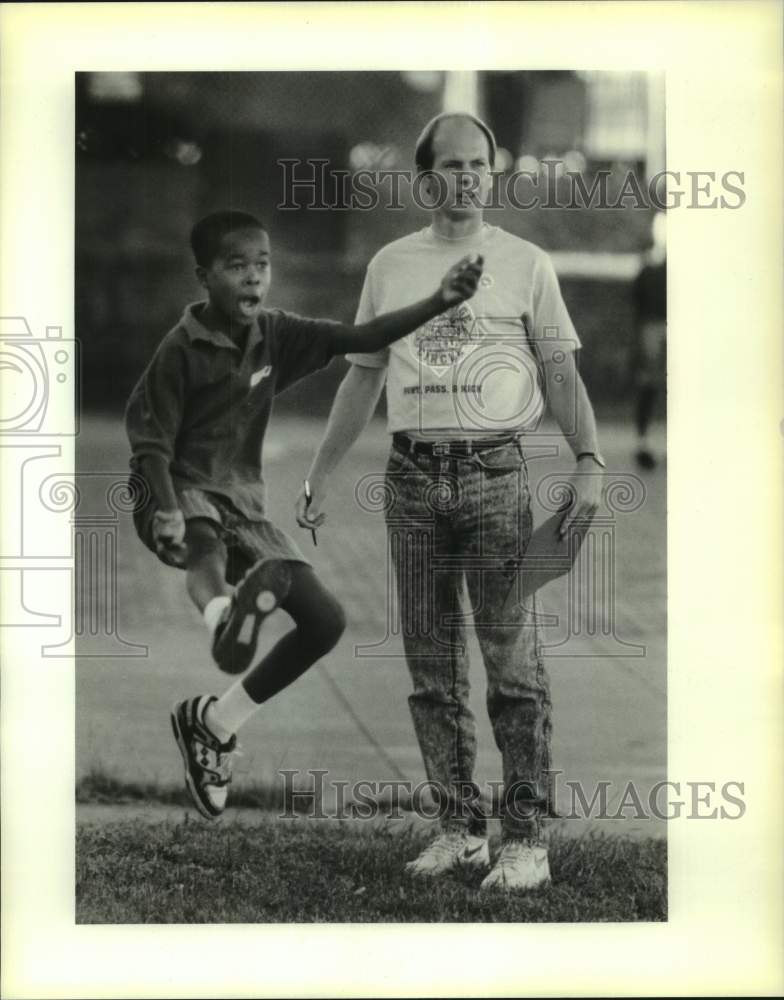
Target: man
x,y
461,393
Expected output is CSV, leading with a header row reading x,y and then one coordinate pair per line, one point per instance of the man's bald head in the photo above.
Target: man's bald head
x,y
423,151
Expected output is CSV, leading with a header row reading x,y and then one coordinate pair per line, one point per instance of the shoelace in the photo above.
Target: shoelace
x,y
226,759
442,847
512,854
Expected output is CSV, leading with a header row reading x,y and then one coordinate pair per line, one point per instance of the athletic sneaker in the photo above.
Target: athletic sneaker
x,y
257,595
449,851
207,760
519,865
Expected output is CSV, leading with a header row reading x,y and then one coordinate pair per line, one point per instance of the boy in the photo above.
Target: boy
x,y
196,421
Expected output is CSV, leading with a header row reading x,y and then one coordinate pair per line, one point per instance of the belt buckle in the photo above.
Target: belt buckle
x,y
442,448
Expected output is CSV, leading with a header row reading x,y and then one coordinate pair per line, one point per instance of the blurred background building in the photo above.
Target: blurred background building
x,y
155,151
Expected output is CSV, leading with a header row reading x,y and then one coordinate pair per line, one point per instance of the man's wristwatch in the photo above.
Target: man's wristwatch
x,y
595,456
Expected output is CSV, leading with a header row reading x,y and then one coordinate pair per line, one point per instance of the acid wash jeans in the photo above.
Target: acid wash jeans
x,y
452,520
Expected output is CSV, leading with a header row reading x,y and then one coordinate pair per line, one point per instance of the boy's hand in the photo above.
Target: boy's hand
x,y
168,531
310,515
461,281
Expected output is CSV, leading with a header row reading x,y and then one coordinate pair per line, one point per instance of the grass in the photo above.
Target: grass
x,y
99,787
278,871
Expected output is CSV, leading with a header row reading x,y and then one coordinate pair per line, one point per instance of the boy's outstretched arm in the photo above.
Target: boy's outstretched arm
x,y
358,394
458,284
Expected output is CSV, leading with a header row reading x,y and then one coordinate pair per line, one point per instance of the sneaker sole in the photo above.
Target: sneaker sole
x,y
189,782
476,862
259,593
543,883
498,887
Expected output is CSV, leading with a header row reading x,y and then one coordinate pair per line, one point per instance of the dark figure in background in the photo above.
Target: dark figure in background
x,y
650,306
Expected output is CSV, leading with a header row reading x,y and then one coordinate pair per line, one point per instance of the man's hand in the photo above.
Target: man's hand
x,y
461,281
168,531
310,516
586,489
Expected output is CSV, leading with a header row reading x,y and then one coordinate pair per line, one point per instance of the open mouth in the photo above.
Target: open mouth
x,y
248,304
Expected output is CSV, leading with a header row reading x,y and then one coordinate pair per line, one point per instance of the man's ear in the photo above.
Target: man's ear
x,y
201,275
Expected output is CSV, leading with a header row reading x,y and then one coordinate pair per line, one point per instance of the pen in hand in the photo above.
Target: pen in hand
x,y
308,502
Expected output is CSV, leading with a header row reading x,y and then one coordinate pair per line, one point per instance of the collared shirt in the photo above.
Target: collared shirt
x,y
204,403
477,368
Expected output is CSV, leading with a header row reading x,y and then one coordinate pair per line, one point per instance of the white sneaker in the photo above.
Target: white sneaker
x,y
518,866
450,851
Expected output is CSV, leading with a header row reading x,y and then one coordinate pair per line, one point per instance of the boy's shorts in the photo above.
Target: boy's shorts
x,y
246,541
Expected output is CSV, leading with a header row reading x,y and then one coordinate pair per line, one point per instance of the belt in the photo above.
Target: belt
x,y
448,447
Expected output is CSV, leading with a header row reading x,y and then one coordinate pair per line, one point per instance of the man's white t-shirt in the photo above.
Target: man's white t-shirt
x,y
474,369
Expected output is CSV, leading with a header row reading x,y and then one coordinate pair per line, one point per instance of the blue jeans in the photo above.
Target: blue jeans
x,y
453,521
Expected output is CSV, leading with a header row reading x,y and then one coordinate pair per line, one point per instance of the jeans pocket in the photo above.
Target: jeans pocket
x,y
396,462
504,460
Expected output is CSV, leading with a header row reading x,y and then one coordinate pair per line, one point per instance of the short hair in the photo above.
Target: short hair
x,y
423,151
208,232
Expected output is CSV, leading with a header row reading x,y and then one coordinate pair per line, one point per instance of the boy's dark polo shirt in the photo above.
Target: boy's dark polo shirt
x,y
204,404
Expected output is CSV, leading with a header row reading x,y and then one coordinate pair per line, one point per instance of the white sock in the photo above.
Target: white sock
x,y
214,610
231,711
